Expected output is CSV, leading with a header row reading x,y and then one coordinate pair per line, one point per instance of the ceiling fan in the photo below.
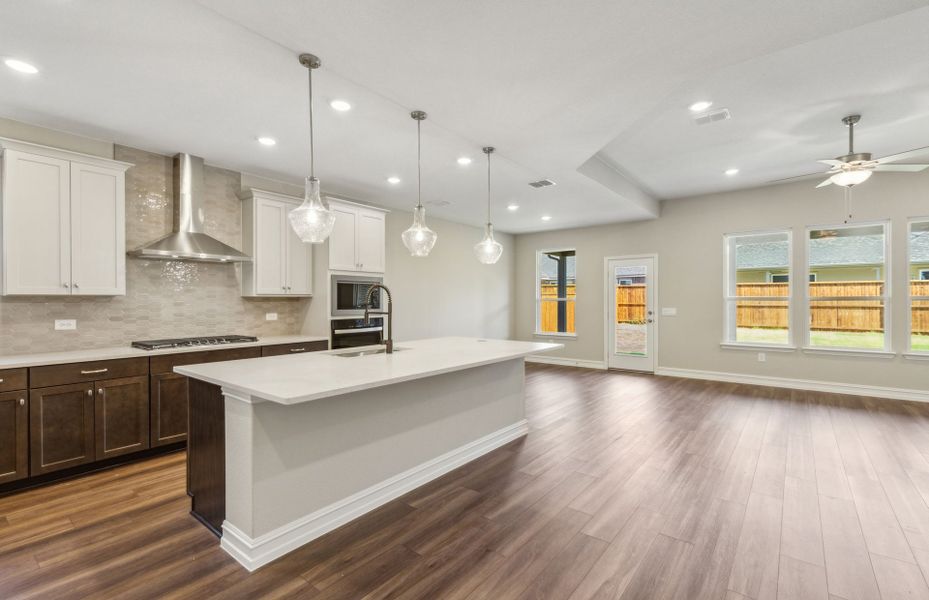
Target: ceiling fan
x,y
856,167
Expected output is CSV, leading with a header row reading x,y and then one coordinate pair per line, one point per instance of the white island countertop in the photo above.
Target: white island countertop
x,y
115,352
298,378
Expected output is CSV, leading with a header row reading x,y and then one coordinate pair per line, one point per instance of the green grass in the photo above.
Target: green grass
x,y
828,339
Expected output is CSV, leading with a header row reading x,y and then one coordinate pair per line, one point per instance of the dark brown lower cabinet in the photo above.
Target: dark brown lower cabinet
x,y
121,416
168,408
14,436
61,427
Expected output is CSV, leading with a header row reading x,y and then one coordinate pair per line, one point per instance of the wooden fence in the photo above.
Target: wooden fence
x,y
825,315
549,310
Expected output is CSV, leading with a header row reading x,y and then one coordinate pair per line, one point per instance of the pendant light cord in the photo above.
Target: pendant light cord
x,y
312,158
419,165
488,188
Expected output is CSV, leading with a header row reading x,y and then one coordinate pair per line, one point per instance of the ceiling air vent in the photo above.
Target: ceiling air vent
x,y
542,183
711,117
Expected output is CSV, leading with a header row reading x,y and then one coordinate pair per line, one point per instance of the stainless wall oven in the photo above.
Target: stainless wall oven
x,y
352,333
348,295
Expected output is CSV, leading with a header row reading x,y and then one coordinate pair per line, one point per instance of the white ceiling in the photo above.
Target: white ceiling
x,y
592,95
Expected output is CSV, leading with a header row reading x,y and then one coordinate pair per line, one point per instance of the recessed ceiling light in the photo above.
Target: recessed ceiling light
x,y
21,66
700,106
267,141
546,217
512,207
340,105
731,172
393,180
464,160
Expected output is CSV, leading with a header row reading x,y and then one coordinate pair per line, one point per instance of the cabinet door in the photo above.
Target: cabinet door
x,y
98,231
342,240
121,416
61,423
14,436
169,408
36,224
370,241
270,247
299,264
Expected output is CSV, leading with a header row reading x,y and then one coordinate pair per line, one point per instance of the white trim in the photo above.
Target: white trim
x,y
910,353
756,347
609,301
49,151
854,352
916,355
852,389
566,362
550,334
253,553
538,290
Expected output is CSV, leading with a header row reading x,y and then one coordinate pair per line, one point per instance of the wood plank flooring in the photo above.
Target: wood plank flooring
x,y
628,486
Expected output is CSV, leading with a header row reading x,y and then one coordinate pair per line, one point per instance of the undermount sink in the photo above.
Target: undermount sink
x,y
365,352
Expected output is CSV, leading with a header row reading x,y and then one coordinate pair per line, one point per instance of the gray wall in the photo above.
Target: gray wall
x,y
688,240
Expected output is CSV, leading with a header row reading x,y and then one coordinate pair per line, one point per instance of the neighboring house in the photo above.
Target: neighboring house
x,y
855,258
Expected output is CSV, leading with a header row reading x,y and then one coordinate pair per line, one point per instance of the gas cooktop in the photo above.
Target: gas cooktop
x,y
192,342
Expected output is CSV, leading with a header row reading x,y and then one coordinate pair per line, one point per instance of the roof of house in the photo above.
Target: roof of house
x,y
845,251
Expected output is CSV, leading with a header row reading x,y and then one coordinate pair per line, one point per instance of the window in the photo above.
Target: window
x,y
758,301
849,300
556,292
919,286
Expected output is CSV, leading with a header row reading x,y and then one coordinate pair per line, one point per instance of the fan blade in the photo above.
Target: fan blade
x,y
904,155
831,162
825,183
901,168
797,177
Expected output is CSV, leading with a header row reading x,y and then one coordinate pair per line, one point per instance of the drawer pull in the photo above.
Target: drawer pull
x,y
94,371
292,350
90,392
22,402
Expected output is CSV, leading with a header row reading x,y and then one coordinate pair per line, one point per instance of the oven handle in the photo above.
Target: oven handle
x,y
357,330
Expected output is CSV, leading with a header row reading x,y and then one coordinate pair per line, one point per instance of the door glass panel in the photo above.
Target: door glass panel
x,y
631,318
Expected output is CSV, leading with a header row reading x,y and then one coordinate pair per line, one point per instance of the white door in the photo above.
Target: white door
x,y
370,241
631,323
98,231
270,247
36,224
299,264
342,240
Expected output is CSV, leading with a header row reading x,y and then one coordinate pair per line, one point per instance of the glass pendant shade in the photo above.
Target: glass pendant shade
x,y
850,178
419,239
313,220
488,250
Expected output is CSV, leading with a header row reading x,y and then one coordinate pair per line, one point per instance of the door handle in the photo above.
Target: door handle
x,y
650,320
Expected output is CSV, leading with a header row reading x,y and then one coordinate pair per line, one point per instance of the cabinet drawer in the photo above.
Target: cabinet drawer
x,y
12,379
87,371
279,349
166,363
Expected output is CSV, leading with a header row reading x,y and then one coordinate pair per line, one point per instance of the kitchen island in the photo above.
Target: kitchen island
x,y
285,449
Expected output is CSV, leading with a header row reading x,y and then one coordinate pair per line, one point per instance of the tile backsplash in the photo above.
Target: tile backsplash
x,y
163,298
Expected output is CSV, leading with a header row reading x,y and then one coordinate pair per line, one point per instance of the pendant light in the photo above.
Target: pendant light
x,y
312,220
488,250
419,239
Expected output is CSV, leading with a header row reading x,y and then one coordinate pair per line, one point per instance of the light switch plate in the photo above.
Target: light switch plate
x,y
270,316
668,312
65,324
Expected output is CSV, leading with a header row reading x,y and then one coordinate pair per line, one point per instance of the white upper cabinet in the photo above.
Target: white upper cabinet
x,y
357,240
64,222
282,264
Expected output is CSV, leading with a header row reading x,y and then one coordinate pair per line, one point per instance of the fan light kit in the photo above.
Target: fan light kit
x,y
21,66
313,220
700,106
419,239
488,250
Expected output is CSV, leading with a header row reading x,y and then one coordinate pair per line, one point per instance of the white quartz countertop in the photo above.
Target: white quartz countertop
x,y
297,378
14,361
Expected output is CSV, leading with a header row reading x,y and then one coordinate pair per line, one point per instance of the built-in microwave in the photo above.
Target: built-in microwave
x,y
349,292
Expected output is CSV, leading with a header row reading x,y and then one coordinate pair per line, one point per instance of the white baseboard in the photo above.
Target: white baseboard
x,y
254,553
566,362
853,389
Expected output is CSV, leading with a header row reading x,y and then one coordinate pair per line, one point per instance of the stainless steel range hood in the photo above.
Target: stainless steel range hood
x,y
188,241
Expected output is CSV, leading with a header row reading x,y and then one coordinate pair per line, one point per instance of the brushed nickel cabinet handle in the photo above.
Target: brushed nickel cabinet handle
x,y
298,349
75,285
65,285
22,402
90,392
1,380
100,391
94,371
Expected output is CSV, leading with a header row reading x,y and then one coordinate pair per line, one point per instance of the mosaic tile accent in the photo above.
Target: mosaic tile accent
x,y
163,298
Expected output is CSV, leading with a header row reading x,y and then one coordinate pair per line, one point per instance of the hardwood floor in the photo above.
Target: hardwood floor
x,y
628,486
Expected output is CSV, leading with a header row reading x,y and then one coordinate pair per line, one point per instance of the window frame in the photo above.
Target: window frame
x,y
909,294
730,330
886,298
538,295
